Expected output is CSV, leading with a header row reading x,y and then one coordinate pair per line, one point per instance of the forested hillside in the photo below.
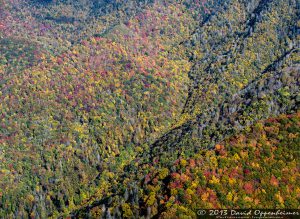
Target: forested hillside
x,y
135,109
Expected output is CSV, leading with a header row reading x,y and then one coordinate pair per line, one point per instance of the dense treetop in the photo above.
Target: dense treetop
x,y
136,108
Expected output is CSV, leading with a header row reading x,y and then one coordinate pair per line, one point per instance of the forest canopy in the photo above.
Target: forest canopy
x,y
135,109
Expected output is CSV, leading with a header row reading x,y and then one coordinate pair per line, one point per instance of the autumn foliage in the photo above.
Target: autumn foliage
x,y
150,108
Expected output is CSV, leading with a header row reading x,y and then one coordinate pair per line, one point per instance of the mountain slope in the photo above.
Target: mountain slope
x,y
225,104
255,169
100,100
